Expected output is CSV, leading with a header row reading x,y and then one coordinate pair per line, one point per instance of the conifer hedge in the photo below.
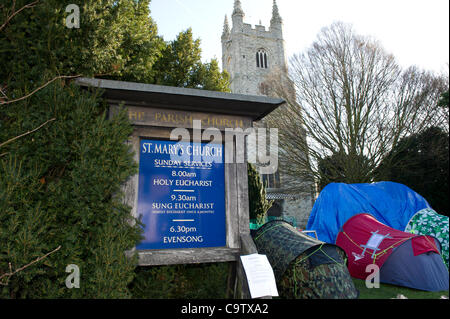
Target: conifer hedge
x,y
62,162
61,186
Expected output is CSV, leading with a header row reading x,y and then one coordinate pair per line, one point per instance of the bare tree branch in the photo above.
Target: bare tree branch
x,y
27,133
14,13
11,273
351,100
3,93
39,88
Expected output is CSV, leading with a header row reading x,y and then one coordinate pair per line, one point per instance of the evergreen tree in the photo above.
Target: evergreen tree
x,y
209,77
444,100
258,203
62,163
61,187
116,39
343,168
421,162
180,65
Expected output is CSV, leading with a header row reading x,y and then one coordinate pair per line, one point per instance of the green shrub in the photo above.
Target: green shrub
x,y
258,203
61,186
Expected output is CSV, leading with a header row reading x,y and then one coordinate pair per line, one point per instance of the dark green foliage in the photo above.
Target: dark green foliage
x,y
204,281
444,100
421,162
343,168
180,65
61,187
258,203
23,223
115,39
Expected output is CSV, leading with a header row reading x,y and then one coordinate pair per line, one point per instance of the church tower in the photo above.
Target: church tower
x,y
250,54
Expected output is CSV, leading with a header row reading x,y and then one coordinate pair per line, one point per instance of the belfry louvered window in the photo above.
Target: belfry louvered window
x,y
261,59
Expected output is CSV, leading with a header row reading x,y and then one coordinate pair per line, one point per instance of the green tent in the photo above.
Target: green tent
x,y
429,222
304,268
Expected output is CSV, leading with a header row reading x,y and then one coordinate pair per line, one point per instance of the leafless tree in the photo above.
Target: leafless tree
x,y
353,99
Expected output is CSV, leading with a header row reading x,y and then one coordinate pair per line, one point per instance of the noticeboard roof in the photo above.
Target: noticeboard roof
x,y
140,94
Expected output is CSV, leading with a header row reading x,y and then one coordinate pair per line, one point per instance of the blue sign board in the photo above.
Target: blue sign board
x,y
181,196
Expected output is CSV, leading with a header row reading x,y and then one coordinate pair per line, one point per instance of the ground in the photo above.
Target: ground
x,y
389,291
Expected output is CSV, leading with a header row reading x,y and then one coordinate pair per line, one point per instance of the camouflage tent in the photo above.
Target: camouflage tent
x,y
305,268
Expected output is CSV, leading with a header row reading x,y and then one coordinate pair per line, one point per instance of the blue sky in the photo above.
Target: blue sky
x,y
415,31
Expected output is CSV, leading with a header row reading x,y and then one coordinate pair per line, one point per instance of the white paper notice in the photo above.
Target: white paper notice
x,y
260,277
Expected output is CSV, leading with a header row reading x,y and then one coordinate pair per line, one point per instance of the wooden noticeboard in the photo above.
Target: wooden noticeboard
x,y
225,189
209,221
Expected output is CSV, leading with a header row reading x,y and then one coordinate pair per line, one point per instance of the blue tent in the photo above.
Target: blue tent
x,y
390,203
425,271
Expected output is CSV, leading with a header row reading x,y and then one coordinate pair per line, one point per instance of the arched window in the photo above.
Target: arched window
x,y
261,59
272,180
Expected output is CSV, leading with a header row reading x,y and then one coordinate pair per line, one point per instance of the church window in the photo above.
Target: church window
x,y
272,180
261,59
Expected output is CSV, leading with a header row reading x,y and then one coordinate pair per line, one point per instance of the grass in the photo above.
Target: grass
x,y
203,281
209,281
390,291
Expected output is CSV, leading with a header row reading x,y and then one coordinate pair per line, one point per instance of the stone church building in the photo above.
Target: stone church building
x,y
249,55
